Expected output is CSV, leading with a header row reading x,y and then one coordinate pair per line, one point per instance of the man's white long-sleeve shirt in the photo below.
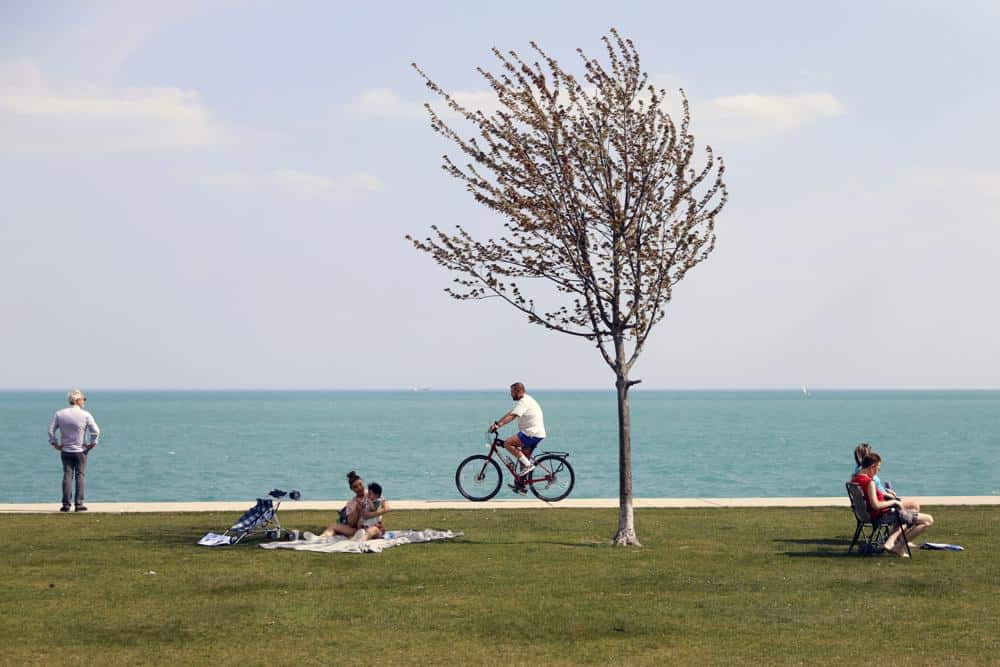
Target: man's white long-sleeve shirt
x,y
73,423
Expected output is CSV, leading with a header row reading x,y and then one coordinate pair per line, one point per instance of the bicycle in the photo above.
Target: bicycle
x,y
479,477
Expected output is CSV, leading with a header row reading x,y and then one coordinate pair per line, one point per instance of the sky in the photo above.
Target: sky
x,y
204,195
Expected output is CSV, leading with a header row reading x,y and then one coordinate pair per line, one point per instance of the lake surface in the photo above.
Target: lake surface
x,y
233,445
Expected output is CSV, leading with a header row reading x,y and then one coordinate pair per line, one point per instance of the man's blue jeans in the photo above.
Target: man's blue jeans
x,y
74,466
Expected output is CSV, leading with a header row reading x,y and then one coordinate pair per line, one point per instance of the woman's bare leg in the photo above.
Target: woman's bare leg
x,y
890,542
924,521
338,529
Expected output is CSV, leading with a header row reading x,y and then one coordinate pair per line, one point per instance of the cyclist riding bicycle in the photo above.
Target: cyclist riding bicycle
x,y
530,427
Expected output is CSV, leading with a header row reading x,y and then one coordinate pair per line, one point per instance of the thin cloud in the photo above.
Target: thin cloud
x,y
306,185
734,117
101,37
954,181
41,116
294,183
385,103
756,116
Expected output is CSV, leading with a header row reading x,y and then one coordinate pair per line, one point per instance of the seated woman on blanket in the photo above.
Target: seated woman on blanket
x,y
350,516
863,450
879,504
372,510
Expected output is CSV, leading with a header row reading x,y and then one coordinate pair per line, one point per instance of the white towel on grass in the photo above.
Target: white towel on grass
x,y
341,544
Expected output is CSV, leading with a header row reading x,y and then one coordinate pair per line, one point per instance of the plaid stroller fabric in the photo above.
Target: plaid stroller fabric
x,y
258,516
261,519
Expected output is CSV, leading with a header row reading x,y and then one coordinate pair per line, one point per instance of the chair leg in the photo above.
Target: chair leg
x,y
869,541
854,540
876,541
906,540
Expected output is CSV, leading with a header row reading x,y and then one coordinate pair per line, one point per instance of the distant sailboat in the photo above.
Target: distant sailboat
x,y
805,391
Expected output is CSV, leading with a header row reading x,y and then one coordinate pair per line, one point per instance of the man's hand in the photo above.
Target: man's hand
x,y
494,427
55,445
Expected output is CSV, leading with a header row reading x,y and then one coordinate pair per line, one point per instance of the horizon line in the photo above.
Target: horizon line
x,y
424,389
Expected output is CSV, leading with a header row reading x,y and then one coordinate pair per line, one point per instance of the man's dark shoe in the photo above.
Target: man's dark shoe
x,y
518,488
81,508
64,508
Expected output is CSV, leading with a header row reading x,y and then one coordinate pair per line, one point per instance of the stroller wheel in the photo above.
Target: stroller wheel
x,y
273,534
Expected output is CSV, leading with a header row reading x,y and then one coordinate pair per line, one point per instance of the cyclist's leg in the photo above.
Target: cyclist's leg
x,y
525,446
513,445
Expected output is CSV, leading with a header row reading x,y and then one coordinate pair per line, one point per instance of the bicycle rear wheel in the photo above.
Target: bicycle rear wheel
x,y
478,477
552,479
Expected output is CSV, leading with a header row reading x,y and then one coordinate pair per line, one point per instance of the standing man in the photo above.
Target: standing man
x,y
74,424
530,429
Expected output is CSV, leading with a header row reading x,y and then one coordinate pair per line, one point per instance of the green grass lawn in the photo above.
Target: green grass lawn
x,y
727,586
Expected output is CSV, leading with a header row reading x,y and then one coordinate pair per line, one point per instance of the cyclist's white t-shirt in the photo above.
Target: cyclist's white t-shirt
x,y
529,417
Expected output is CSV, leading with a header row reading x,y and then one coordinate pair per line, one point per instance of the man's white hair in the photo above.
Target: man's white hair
x,y
74,395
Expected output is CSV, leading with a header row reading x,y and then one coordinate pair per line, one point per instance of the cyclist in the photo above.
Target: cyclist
x,y
530,428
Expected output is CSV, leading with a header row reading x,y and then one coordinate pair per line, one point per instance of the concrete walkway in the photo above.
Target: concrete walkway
x,y
517,503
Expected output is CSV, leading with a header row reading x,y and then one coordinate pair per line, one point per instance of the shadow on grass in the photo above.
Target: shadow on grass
x,y
484,543
161,538
827,541
840,552
819,554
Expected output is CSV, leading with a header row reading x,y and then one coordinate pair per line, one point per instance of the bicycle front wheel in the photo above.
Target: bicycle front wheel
x,y
552,479
478,477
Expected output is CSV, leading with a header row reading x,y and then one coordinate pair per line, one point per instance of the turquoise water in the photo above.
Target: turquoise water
x,y
235,445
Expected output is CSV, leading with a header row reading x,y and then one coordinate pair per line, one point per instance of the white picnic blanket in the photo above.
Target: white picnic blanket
x,y
214,540
341,544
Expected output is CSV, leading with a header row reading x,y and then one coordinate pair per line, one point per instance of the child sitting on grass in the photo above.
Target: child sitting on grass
x,y
372,509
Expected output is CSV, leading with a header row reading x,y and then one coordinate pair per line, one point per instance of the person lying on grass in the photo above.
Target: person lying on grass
x,y
879,504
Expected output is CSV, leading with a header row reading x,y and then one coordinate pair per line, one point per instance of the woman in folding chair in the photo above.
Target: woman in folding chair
x,y
878,503
863,450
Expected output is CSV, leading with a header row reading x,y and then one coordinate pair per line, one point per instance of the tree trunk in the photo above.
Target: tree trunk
x,y
626,519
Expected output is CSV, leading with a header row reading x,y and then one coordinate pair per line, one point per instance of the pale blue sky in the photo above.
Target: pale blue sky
x,y
201,195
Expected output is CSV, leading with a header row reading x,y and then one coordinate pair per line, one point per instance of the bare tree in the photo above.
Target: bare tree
x,y
602,202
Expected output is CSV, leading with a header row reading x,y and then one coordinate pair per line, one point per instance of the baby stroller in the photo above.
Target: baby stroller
x,y
262,518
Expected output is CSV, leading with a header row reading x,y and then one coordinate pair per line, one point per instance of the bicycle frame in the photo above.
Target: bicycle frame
x,y
480,476
509,462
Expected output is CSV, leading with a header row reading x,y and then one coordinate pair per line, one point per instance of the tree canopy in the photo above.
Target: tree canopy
x,y
598,189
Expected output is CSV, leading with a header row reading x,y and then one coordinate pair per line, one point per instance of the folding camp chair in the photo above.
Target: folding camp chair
x,y
261,518
872,542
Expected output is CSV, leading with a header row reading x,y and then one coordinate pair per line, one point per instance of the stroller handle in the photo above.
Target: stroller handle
x,y
278,493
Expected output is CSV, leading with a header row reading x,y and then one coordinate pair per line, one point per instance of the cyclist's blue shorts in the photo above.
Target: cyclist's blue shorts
x,y
527,440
